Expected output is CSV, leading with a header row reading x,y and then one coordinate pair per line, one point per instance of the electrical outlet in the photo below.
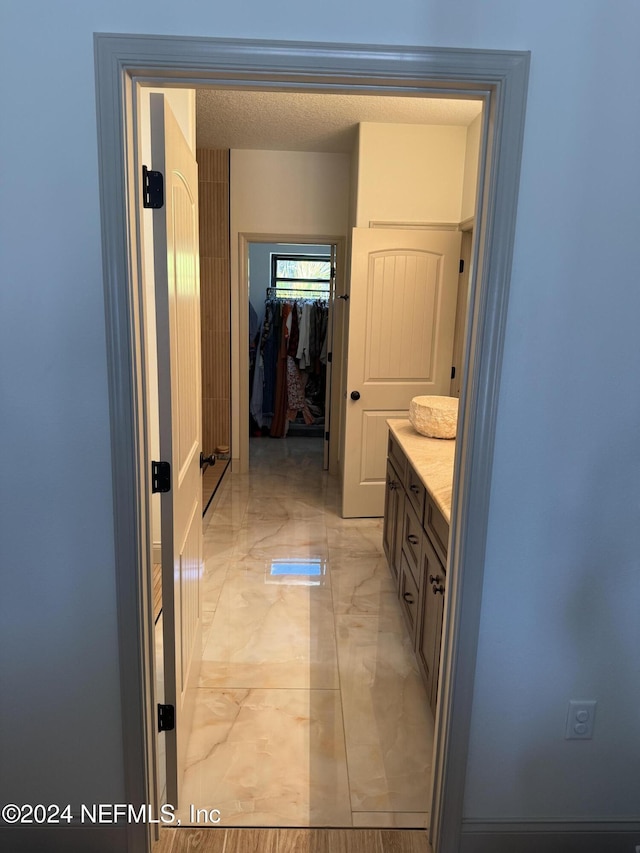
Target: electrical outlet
x,y
580,719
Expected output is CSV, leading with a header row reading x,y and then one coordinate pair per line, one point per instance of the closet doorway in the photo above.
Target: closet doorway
x,y
302,276
290,313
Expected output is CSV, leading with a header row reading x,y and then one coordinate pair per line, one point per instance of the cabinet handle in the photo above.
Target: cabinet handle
x,y
413,539
415,489
408,597
393,485
435,579
437,589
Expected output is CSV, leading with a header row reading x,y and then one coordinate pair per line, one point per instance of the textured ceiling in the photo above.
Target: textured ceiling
x,y
302,121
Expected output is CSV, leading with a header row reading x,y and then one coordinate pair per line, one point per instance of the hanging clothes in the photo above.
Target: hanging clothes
x,y
289,365
280,421
269,347
304,360
296,401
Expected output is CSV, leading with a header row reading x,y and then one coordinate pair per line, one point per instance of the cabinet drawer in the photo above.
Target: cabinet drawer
x,y
409,597
437,528
397,457
416,492
412,535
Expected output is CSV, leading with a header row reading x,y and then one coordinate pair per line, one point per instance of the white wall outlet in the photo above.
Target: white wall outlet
x,y
580,719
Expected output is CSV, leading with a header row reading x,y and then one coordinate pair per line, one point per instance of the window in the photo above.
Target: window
x,y
300,276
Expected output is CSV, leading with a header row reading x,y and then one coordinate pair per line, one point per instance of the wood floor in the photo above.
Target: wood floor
x,y
292,841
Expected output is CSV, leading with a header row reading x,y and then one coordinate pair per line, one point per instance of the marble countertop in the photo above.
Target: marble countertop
x,y
431,459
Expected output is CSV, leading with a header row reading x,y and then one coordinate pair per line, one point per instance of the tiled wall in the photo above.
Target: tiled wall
x,y
213,186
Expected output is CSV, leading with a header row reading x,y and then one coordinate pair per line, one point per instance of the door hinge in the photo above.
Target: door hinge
x,y
152,189
326,436
453,371
461,265
166,718
329,357
160,477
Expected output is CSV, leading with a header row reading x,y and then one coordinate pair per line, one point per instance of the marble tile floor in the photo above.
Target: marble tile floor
x,y
310,709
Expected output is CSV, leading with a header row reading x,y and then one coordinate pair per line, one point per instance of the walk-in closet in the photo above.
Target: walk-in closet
x,y
290,290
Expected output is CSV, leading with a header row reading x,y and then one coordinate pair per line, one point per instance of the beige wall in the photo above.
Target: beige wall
x,y
409,173
288,193
470,181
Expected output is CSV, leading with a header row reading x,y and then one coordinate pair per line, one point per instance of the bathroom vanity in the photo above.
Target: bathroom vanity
x,y
416,536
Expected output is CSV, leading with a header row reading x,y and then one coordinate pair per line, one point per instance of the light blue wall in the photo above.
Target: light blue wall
x,y
560,604
260,267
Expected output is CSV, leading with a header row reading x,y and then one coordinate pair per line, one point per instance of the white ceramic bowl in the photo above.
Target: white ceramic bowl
x,y
435,417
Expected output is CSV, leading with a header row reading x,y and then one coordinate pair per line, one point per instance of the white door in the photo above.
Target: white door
x,y
402,306
329,378
177,282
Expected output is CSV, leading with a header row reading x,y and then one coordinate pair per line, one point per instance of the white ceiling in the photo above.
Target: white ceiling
x,y
309,121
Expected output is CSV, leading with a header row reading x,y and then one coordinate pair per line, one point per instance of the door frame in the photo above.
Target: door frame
x,y
499,79
241,324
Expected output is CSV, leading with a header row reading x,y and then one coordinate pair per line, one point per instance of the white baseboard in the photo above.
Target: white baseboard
x,y
157,552
550,837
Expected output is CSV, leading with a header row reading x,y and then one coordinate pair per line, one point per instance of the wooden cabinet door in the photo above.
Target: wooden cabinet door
x,y
392,518
409,598
430,627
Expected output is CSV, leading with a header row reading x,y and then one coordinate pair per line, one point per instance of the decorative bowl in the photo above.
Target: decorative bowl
x,y
435,417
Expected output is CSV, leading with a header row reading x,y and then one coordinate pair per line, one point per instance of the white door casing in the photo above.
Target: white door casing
x,y
501,79
464,277
402,305
177,286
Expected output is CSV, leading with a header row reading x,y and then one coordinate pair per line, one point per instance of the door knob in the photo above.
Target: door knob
x,y
355,395
207,460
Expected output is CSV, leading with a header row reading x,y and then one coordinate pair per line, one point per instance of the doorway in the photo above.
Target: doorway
x,y
291,292
499,78
282,545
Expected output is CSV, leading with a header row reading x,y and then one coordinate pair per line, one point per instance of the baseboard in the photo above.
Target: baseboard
x,y
108,838
157,552
550,837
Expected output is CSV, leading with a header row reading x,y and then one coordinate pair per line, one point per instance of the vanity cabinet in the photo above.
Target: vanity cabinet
x,y
415,536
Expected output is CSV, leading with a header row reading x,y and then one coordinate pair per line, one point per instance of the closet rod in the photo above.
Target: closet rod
x,y
274,291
